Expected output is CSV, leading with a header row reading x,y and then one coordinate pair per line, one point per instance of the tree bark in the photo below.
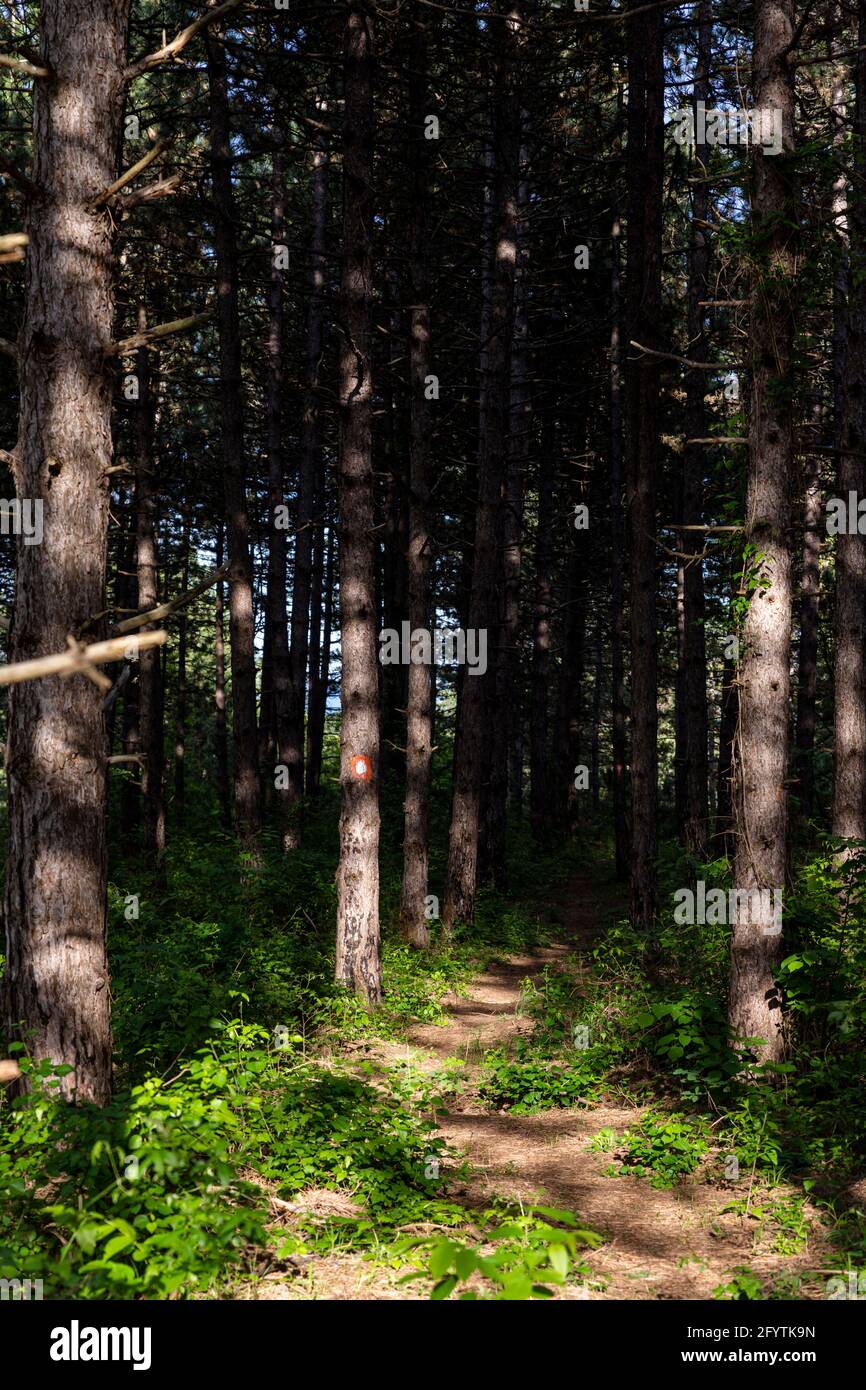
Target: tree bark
x,y
810,590
472,731
419,558
180,708
539,767
506,726
696,756
241,617
358,965
281,729
221,731
849,676
645,175
309,480
761,754
619,715
56,987
150,692
320,669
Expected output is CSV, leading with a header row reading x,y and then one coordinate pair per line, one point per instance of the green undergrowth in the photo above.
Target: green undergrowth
x,y
232,1093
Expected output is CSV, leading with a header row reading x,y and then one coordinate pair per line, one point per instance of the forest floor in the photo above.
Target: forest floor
x,y
674,1243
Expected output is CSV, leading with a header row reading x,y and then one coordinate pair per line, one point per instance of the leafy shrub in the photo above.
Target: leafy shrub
x,y
156,1194
530,1257
538,1084
668,1147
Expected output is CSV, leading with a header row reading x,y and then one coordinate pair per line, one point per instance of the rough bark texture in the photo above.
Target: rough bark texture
x,y
419,558
696,759
150,667
358,964
472,732
320,670
506,727
221,730
56,985
619,714
241,618
180,706
645,173
810,589
849,677
539,770
761,749
309,479
279,675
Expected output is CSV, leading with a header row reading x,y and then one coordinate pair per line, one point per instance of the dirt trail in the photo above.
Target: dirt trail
x,y
660,1244
672,1244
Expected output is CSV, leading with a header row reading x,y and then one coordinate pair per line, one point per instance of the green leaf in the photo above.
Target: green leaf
x,y
559,1259
444,1288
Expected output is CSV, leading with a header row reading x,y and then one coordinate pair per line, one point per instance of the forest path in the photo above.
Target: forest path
x,y
671,1244
659,1244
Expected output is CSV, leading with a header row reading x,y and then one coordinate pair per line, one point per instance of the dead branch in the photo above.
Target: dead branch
x,y
163,188
129,174
79,659
13,241
686,362
150,335
165,610
180,41
22,65
719,439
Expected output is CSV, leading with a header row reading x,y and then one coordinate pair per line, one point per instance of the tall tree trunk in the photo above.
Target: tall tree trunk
x,y
728,720
571,705
645,175
309,481
619,717
56,988
595,736
419,558
180,708
358,964
849,677
696,808
320,672
221,732
241,617
539,758
130,791
810,589
393,532
506,726
761,762
282,739
150,668
472,731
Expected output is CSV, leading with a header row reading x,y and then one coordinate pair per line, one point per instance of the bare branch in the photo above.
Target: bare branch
x,y
163,188
12,247
129,174
79,659
22,65
686,361
165,610
180,41
149,335
719,439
